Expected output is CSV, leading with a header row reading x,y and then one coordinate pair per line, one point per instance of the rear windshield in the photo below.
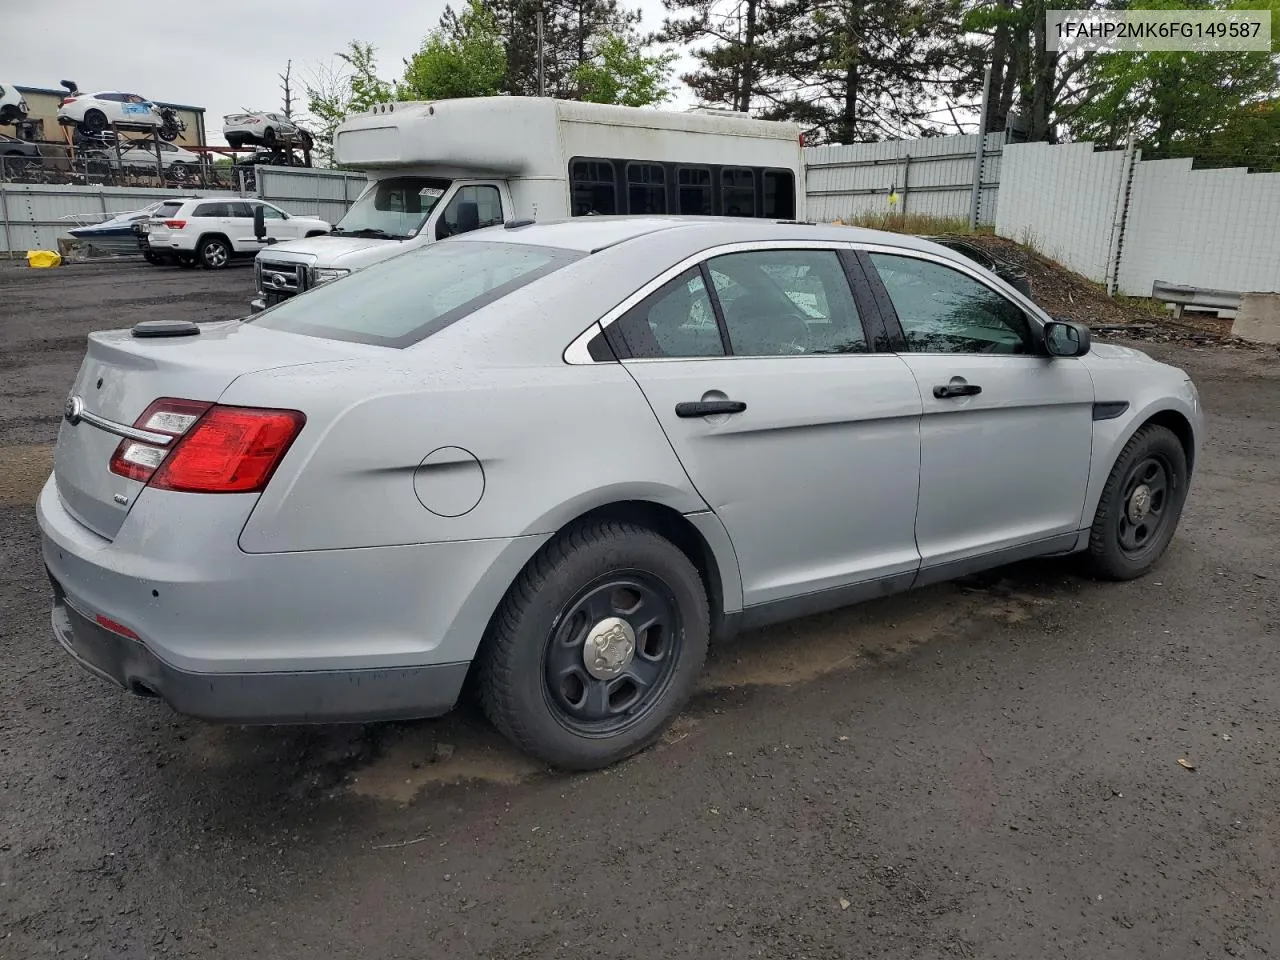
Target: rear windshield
x,y
168,208
403,300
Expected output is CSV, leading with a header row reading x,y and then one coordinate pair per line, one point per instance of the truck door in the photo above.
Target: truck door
x,y
472,206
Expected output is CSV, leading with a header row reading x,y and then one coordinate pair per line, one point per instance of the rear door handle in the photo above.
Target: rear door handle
x,y
708,408
945,390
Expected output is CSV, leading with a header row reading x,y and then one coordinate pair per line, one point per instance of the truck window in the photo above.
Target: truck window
x,y
738,192
395,208
593,188
646,188
695,191
488,210
779,195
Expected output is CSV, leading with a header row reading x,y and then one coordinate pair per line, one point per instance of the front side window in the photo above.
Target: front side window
x,y
738,192
592,188
271,213
394,208
457,217
787,303
646,188
676,320
402,300
942,310
241,210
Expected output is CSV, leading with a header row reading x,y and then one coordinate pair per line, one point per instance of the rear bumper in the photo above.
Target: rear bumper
x,y
372,633
310,696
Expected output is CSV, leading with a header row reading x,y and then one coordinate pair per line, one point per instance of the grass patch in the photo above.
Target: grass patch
x,y
916,223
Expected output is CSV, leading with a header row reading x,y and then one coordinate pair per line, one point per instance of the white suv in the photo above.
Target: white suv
x,y
214,231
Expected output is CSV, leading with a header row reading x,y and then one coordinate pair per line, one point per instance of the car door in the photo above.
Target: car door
x,y
1007,431
239,223
801,437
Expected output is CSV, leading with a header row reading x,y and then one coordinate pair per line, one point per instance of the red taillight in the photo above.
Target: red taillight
x,y
66,100
175,224
802,139
230,450
214,449
115,627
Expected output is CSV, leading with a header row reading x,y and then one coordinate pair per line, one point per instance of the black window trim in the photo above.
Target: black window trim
x,y
621,185
889,313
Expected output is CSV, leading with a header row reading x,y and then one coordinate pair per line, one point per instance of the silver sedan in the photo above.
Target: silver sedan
x,y
560,458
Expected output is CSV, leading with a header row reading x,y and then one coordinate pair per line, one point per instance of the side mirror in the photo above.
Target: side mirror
x,y
259,223
1066,338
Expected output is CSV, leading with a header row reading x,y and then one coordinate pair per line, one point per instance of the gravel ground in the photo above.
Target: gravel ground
x,y
983,769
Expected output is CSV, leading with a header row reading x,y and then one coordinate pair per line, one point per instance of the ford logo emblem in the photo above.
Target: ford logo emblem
x,y
73,411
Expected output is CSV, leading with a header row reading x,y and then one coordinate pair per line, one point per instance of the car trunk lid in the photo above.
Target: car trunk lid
x,y
122,374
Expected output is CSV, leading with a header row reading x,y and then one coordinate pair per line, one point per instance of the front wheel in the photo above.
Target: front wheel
x,y
596,646
1140,505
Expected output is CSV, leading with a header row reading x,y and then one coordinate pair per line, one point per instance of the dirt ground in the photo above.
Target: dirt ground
x,y
984,769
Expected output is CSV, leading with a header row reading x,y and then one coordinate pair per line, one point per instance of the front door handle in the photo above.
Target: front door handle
x,y
945,390
708,408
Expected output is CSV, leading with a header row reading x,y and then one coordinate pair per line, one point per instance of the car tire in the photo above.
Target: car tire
x,y
305,138
269,136
213,252
535,683
95,121
1140,505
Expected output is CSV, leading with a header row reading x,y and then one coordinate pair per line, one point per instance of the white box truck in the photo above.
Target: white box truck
x,y
447,166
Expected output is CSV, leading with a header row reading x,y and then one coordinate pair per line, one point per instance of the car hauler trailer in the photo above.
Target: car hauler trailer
x,y
449,166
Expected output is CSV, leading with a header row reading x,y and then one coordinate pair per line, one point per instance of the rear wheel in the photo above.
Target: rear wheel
x,y
269,136
1140,505
214,253
596,646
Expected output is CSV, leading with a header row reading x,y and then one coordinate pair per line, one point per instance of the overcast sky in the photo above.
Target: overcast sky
x,y
223,56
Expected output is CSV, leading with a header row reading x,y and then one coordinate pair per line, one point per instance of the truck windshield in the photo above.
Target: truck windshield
x,y
395,208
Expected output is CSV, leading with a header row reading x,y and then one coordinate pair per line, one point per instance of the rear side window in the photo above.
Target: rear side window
x,y
407,298
211,210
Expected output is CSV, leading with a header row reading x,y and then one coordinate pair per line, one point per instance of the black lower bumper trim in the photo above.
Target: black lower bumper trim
x,y
312,696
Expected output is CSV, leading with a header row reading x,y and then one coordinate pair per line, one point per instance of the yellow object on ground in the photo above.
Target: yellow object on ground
x,y
43,258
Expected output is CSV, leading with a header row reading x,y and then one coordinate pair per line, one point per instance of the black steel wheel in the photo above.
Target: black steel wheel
x,y
1140,505
611,653
596,646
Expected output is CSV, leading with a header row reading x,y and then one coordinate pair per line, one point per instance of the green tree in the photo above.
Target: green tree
x,y
351,85
621,72
1219,107
463,57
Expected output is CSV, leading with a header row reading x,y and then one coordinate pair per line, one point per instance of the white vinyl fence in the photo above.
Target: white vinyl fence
x,y
36,216
932,176
1128,222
